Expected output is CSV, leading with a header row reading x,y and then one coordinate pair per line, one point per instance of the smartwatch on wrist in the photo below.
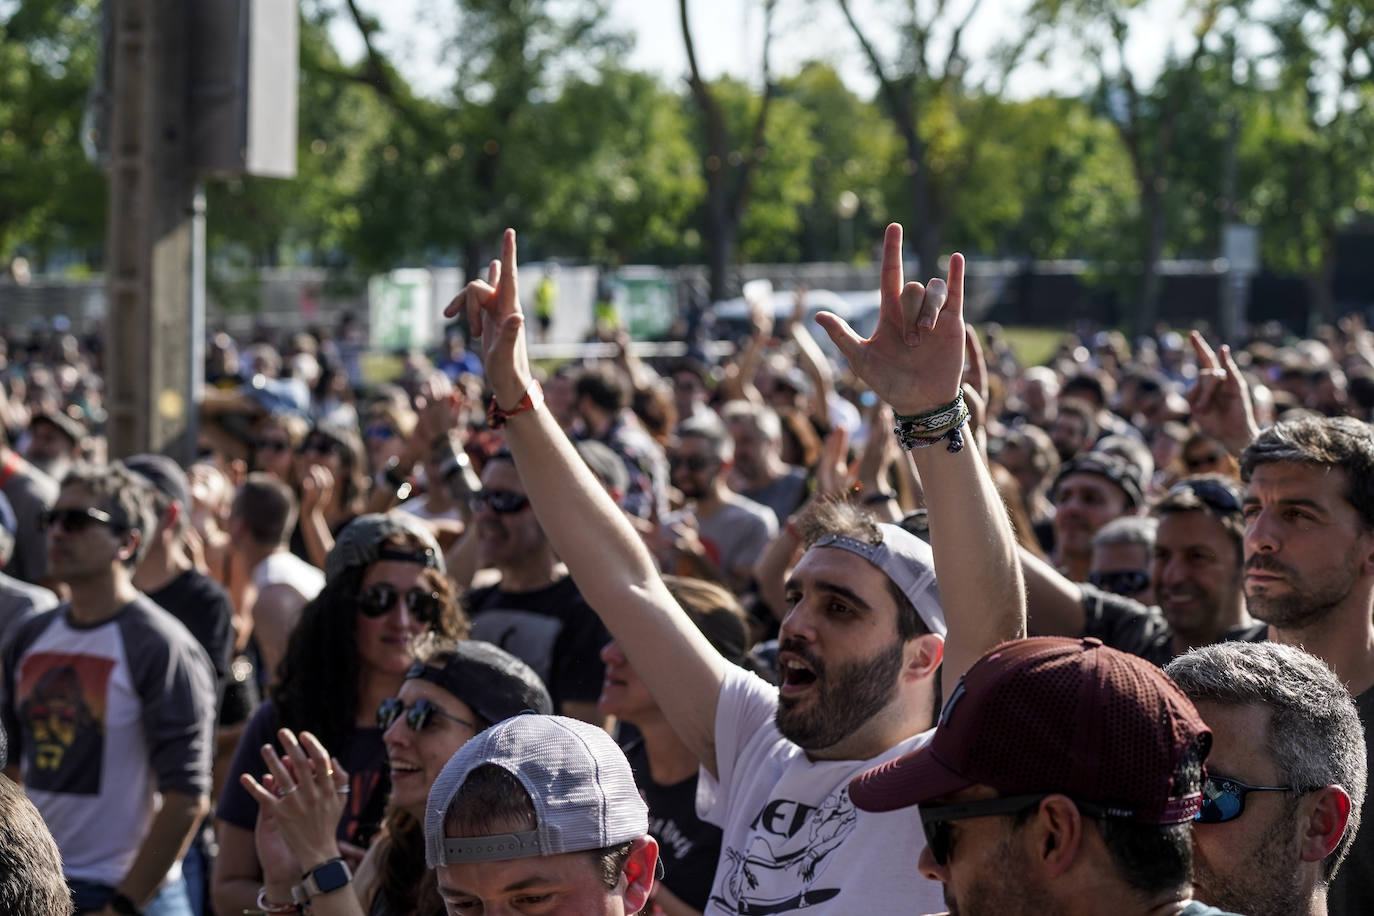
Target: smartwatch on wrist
x,y
124,906
323,879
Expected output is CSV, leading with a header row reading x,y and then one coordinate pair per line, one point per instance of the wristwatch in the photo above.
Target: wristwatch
x,y
122,905
322,879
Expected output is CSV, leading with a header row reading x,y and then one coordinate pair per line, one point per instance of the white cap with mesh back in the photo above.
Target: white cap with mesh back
x,y
905,559
581,785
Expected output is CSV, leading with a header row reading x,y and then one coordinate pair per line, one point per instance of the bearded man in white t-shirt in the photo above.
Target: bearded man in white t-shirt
x,y
864,646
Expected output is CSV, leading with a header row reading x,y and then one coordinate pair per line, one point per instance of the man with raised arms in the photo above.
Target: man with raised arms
x,y
864,646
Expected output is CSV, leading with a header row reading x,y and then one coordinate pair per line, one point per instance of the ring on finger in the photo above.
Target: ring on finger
x,y
282,793
343,789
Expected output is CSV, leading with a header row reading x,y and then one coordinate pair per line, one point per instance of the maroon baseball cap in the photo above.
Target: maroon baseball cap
x,y
1054,715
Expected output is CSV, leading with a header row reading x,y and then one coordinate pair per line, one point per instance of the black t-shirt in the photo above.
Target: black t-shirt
x,y
203,606
1126,624
1353,888
688,846
553,630
363,757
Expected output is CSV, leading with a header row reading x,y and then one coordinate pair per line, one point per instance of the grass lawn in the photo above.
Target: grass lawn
x,y
1033,346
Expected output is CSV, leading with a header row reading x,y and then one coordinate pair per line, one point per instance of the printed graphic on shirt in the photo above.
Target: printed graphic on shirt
x,y
788,854
62,711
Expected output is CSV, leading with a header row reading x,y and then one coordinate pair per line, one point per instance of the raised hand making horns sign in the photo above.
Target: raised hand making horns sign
x,y
915,357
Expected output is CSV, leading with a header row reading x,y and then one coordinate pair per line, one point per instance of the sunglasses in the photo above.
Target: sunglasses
x,y
1121,581
271,445
1224,799
418,714
378,600
1198,462
74,521
692,463
1213,493
382,433
936,819
502,502
317,447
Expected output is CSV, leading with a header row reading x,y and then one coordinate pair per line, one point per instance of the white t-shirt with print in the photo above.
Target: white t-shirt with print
x,y
793,839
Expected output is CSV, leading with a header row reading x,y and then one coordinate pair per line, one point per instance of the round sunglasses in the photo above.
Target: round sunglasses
x,y
418,714
378,600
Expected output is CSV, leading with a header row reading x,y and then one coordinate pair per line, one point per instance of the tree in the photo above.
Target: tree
x,y
627,180
1308,150
728,165
50,196
855,146
941,106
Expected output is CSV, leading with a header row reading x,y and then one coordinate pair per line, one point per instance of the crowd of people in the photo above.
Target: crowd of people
x,y
912,628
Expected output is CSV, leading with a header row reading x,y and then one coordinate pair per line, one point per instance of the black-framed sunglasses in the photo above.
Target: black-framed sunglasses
x,y
418,714
502,502
271,445
1223,799
378,600
74,521
936,819
1121,581
1213,493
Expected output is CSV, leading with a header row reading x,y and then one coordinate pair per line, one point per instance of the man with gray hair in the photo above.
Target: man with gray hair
x,y
1122,551
723,533
1285,778
540,807
759,472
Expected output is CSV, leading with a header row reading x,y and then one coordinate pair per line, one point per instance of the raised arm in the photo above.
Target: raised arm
x,y
1220,398
608,560
914,362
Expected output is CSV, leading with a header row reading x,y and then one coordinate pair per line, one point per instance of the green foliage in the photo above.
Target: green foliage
x,y
50,196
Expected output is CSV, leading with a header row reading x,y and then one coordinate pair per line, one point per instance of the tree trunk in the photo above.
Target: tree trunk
x,y
1321,302
1152,207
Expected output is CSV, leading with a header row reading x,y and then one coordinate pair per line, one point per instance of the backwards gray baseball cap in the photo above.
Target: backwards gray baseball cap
x,y
583,791
360,543
906,560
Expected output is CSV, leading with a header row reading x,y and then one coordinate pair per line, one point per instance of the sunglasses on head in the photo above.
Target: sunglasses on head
x,y
1223,799
502,502
378,600
690,462
1213,493
418,714
74,521
936,819
1121,581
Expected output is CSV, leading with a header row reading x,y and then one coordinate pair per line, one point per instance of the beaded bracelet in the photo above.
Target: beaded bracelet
x,y
926,429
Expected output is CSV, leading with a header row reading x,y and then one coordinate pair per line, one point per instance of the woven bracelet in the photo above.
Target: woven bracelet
x,y
938,420
954,435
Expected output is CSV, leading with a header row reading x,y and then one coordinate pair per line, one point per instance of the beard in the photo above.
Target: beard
x,y
842,700
1266,885
1305,603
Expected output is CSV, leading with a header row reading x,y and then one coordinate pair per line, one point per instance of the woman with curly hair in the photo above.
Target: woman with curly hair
x,y
452,693
351,649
